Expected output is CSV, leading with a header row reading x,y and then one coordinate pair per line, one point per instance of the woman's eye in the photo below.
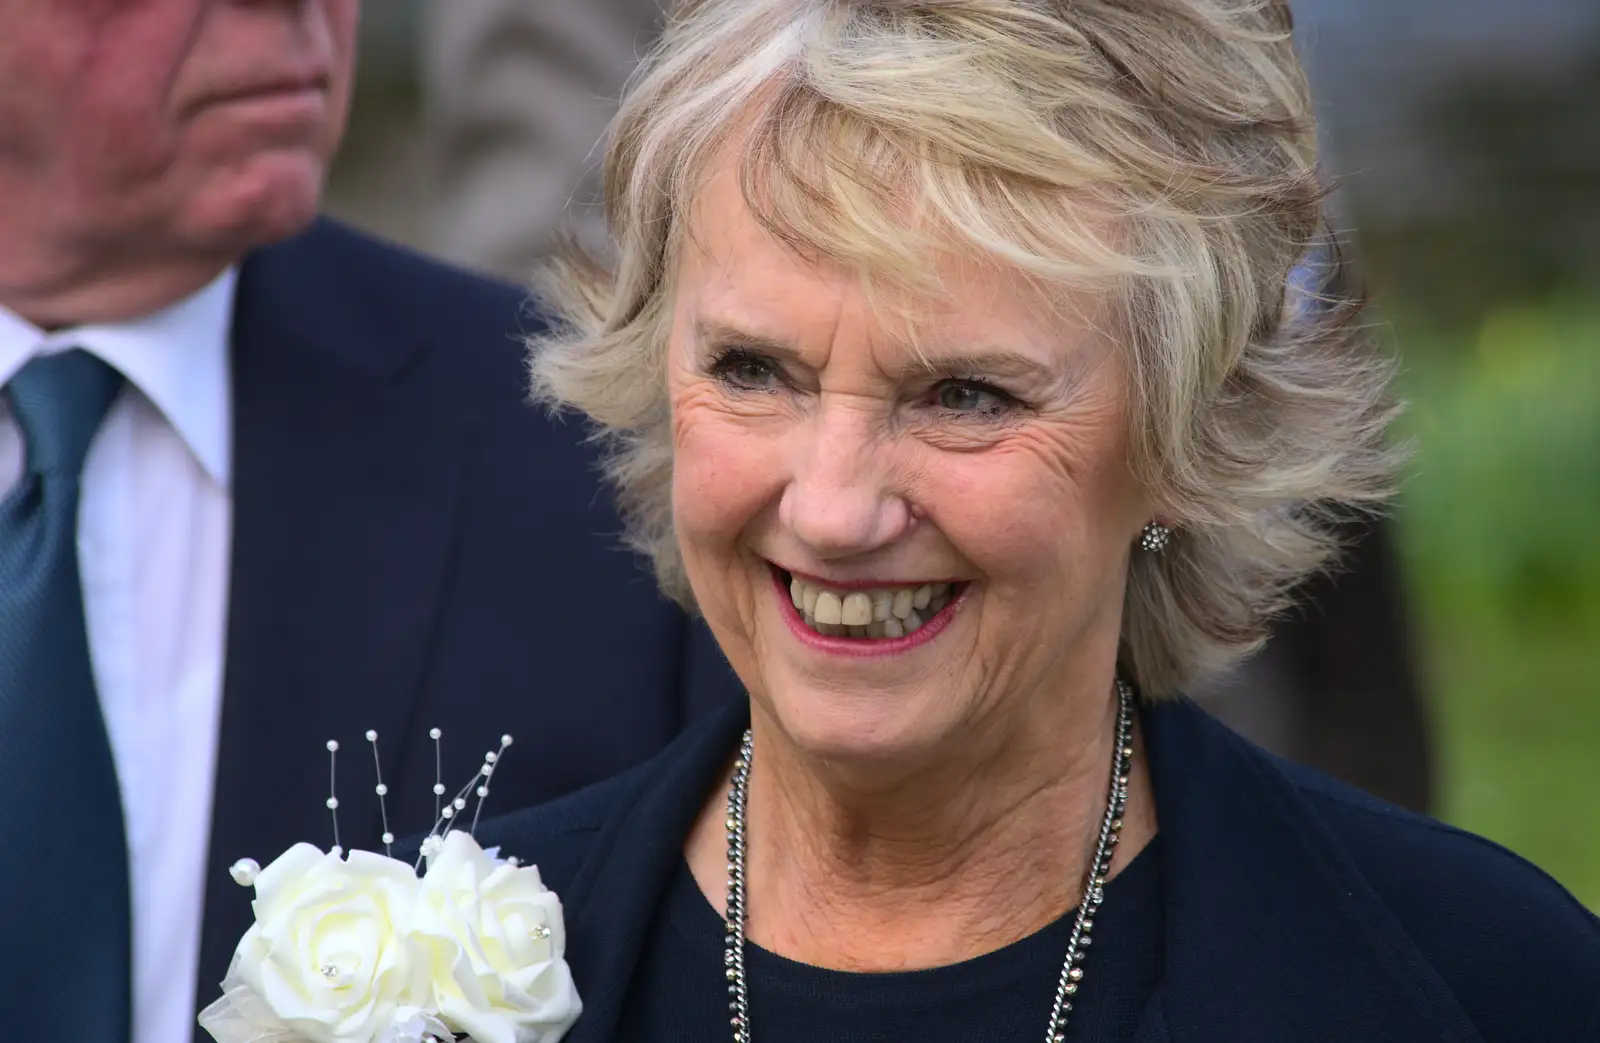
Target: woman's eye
x,y
971,396
744,370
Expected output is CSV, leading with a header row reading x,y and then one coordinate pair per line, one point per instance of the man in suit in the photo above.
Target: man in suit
x,y
264,482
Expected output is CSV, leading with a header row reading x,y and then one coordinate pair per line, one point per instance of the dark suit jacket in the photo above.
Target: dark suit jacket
x,y
1297,910
415,546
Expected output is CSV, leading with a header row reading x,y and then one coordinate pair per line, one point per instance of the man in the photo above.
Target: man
x,y
263,483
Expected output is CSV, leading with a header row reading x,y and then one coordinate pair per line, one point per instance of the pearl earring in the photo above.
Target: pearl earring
x,y
1155,537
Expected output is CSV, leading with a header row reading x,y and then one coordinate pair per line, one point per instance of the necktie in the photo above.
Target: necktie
x,y
64,909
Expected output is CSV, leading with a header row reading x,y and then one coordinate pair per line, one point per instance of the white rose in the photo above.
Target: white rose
x,y
496,942
328,953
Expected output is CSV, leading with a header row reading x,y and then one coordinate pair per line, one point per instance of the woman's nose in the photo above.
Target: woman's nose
x,y
842,500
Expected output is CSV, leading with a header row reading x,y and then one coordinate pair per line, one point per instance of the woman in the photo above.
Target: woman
x,y
950,368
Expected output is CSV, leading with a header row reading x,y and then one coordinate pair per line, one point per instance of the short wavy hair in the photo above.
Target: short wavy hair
x,y
1257,410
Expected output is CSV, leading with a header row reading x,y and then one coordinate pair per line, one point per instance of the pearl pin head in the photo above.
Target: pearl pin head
x,y
450,810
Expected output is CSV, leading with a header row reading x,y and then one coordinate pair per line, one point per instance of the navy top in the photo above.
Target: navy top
x,y
1292,908
680,992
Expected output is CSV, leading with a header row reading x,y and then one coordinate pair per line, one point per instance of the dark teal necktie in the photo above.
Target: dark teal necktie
x,y
64,909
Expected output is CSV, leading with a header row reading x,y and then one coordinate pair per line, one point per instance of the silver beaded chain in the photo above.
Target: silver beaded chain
x,y
1082,927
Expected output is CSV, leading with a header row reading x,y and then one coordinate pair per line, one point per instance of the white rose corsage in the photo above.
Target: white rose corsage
x,y
358,947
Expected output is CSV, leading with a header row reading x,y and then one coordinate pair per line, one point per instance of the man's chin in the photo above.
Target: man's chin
x,y
274,198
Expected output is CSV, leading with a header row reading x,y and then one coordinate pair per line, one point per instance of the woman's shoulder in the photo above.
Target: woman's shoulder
x,y
642,809
557,836
1503,933
1353,918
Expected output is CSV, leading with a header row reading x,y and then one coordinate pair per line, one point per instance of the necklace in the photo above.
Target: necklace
x,y
1082,926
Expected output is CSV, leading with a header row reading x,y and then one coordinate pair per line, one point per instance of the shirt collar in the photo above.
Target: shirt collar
x,y
177,357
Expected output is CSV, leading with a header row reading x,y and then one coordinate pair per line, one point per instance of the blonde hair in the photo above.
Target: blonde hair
x,y
1017,127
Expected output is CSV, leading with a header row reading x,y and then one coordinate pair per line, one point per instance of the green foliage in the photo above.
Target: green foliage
x,y
1500,524
1503,504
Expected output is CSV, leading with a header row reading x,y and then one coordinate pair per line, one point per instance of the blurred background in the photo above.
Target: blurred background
x,y
1465,137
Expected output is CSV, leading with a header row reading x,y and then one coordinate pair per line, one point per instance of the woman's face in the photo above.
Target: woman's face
x,y
897,551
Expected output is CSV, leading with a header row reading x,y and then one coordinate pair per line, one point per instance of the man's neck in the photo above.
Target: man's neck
x,y
58,278
113,296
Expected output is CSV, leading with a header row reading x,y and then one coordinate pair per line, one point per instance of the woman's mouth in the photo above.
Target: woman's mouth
x,y
887,613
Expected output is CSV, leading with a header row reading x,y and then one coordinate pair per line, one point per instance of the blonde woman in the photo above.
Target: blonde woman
x,y
949,368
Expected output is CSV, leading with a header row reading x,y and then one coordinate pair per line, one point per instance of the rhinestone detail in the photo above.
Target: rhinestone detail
x,y
1155,537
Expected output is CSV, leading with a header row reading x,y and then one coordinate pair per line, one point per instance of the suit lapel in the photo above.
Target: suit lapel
x,y
344,507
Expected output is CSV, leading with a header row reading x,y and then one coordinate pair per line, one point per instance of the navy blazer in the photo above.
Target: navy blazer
x,y
1297,909
414,546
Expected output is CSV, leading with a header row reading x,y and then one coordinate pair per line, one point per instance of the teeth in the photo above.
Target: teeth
x,y
882,613
901,607
857,610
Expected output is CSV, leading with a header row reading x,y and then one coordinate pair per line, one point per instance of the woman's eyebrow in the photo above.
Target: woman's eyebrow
x,y
711,331
994,360
987,361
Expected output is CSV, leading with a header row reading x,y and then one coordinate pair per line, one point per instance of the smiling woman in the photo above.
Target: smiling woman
x,y
952,366
1109,181
871,447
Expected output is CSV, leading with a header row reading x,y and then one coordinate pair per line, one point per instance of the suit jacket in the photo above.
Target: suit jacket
x,y
416,546
1296,908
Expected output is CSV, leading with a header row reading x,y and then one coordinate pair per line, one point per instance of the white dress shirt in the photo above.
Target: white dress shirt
x,y
154,525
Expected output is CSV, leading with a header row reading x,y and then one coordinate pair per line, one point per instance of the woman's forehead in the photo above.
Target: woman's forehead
x,y
908,259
